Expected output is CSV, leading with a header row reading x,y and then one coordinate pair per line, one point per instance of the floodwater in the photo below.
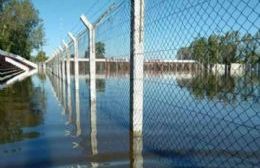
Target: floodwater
x,y
188,121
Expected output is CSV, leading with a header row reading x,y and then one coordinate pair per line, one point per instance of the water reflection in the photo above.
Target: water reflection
x,y
136,149
22,105
68,101
222,87
77,108
136,139
188,120
64,96
93,134
183,124
80,142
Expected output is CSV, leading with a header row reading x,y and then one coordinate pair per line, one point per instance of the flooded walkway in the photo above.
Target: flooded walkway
x,y
45,123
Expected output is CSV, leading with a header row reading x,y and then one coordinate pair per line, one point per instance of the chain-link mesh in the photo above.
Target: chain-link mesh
x,y
201,85
83,49
71,53
201,79
113,33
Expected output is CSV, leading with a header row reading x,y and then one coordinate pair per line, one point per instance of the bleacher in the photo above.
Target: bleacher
x,y
7,70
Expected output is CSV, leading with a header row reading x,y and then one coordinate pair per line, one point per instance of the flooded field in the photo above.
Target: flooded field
x,y
188,121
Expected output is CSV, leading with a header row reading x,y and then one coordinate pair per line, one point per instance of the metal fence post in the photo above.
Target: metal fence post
x,y
76,63
92,57
55,62
136,81
58,62
136,64
92,74
62,63
67,62
52,65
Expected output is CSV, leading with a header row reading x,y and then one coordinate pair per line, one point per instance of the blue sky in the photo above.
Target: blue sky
x,y
169,24
61,16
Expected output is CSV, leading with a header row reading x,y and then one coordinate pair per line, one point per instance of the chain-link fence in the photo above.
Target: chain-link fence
x,y
201,80
114,34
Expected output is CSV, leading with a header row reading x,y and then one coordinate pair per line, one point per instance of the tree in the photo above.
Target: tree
x,y
21,29
246,50
229,45
38,37
199,49
225,49
184,53
41,57
100,50
213,49
256,56
2,4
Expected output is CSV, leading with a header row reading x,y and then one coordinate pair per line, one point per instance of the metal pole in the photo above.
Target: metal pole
x,y
136,64
76,63
55,63
136,80
92,56
67,62
62,63
58,62
56,66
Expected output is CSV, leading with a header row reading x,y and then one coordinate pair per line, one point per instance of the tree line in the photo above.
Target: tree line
x,y
99,48
226,49
21,28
